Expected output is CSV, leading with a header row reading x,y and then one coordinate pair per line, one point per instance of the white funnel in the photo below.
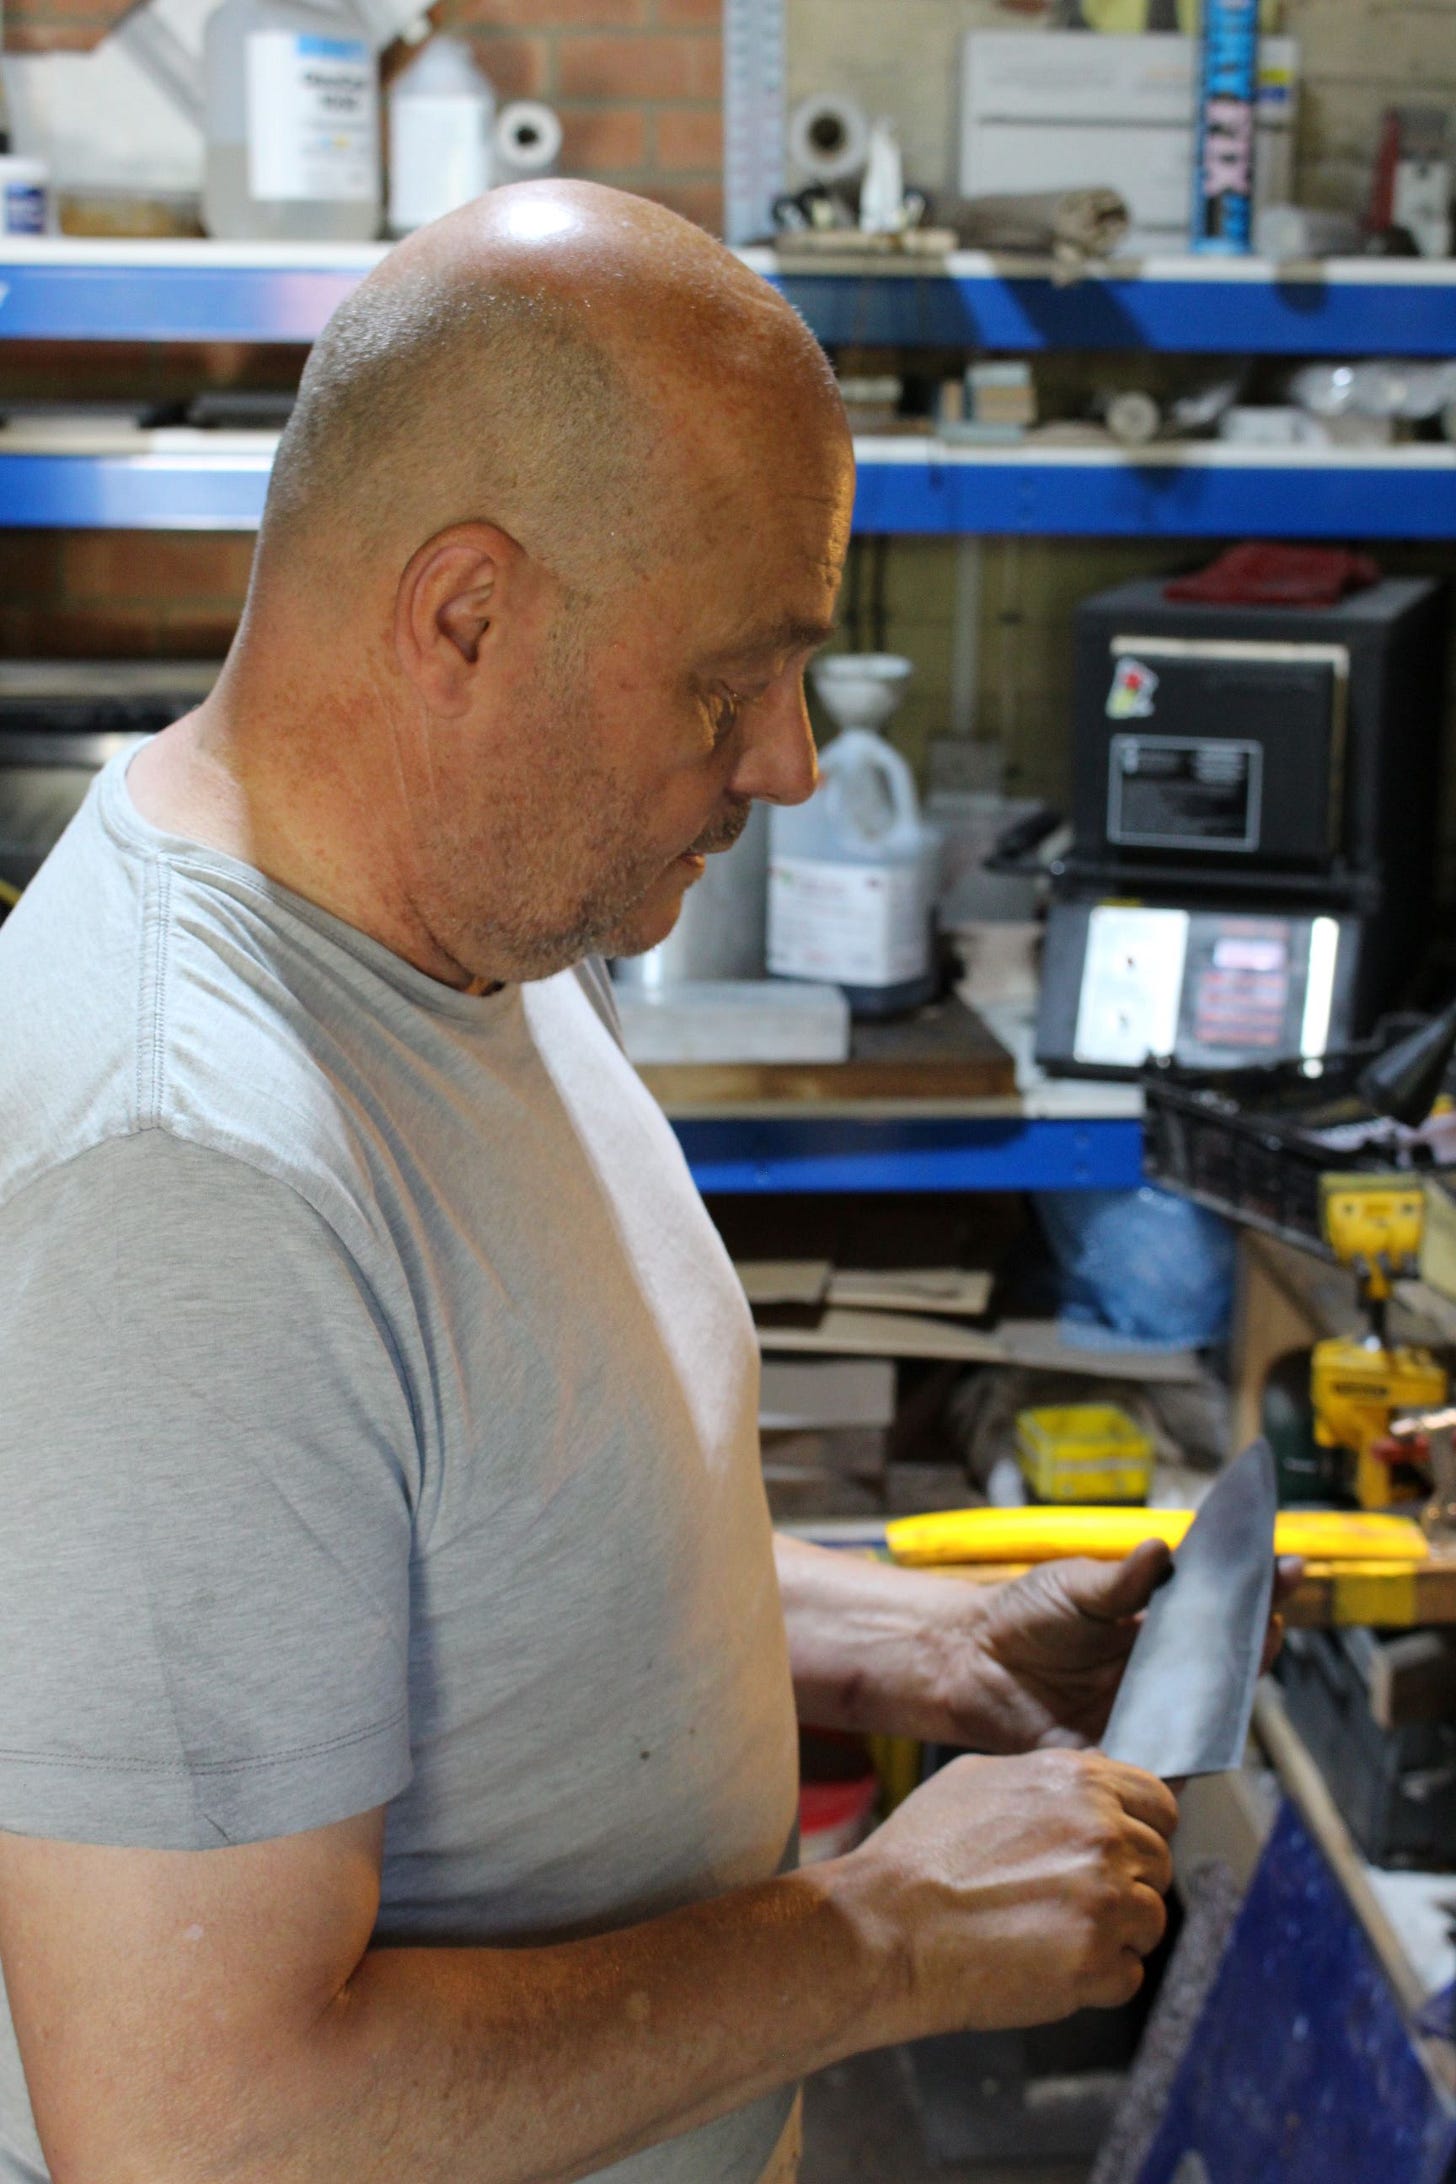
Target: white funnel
x,y
861,689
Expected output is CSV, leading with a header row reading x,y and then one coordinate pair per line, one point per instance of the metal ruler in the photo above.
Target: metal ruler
x,y
753,115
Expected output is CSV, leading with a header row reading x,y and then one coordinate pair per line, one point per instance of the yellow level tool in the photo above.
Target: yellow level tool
x,y
1046,1534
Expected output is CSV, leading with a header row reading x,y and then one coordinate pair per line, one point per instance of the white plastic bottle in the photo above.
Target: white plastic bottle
x,y
291,97
852,881
441,117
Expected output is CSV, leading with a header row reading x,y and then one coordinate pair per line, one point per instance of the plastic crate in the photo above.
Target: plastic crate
x,y
1247,1147
1084,1452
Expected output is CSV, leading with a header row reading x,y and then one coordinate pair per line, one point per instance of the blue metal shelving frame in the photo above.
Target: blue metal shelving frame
x,y
1200,491
977,1153
68,290
54,291
144,492
906,488
1176,306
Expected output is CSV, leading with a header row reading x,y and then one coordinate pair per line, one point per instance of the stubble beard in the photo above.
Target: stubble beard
x,y
555,833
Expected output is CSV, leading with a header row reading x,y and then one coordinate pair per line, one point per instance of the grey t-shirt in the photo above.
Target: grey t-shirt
x,y
378,1425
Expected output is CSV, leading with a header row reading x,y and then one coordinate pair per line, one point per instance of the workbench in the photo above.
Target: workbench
x,y
950,1101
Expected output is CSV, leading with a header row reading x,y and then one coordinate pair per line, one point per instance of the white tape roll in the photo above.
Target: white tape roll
x,y
829,137
526,141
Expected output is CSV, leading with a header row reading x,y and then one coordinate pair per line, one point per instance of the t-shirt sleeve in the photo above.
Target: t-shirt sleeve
x,y
207,1457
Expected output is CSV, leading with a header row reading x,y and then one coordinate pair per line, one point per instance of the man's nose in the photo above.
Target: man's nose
x,y
779,764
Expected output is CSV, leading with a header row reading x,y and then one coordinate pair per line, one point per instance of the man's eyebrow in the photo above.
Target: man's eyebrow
x,y
793,635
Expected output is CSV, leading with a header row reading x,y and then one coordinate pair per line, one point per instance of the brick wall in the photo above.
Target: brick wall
x,y
120,594
638,83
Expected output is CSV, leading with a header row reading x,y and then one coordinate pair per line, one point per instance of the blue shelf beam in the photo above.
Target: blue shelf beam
x,y
1404,498
188,301
1158,499
822,1153
189,291
133,492
1313,314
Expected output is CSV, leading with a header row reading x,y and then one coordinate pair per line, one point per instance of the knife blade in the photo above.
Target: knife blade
x,y
1187,1693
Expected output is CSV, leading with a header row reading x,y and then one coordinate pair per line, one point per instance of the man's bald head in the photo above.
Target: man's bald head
x,y
556,525
560,359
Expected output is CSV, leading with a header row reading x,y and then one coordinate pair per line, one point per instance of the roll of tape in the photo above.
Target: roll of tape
x,y
829,137
526,141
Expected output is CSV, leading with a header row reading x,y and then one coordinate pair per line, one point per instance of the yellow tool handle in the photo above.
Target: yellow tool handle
x,y
1046,1534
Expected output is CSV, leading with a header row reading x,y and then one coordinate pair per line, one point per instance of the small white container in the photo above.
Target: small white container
x,y
441,116
25,195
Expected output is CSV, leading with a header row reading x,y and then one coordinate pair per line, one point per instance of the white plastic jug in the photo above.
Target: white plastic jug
x,y
441,115
291,97
852,880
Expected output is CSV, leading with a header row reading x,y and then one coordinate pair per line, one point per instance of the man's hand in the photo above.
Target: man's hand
x,y
1051,1647
1009,1668
1024,1888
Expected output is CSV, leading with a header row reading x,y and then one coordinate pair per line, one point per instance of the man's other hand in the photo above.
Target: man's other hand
x,y
1023,1888
1050,1651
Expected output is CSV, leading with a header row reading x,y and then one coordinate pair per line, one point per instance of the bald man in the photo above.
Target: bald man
x,y
397,1689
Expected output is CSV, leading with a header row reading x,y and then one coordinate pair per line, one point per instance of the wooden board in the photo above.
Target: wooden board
x,y
944,1052
959,1292
1034,1344
963,1292
784,1281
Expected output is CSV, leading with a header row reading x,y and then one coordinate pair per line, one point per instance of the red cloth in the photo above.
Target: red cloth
x,y
1259,575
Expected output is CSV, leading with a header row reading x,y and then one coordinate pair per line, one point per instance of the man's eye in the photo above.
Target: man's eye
x,y
727,706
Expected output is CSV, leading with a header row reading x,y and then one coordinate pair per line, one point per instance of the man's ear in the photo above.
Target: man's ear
x,y
449,600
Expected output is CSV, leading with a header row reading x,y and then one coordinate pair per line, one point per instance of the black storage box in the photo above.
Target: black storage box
x,y
1264,755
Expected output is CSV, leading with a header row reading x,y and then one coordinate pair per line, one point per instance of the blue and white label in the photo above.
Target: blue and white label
x,y
312,118
25,208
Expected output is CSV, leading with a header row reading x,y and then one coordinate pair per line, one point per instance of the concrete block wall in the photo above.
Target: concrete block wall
x,y
1358,57
902,57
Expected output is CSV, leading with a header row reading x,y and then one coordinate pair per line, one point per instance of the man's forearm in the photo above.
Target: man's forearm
x,y
522,2066
877,1649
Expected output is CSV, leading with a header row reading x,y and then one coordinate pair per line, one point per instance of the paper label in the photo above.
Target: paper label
x,y
1173,792
312,122
852,925
1132,982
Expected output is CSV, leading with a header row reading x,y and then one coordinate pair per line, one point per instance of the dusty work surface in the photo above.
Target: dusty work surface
x,y
944,1052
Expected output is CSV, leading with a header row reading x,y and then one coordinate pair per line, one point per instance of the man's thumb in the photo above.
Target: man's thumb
x,y
1112,1590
